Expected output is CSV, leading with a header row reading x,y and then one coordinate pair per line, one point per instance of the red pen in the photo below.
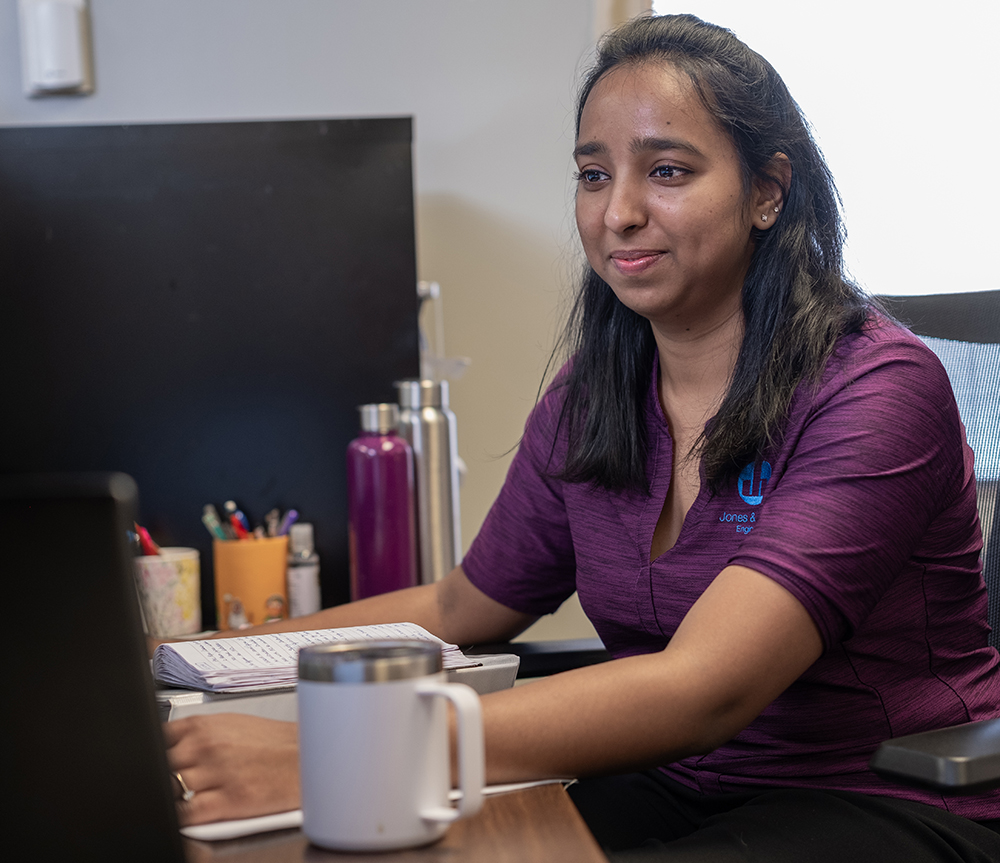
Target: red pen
x,y
146,541
241,532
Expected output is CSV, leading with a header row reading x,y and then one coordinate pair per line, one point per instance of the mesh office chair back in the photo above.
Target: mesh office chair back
x,y
964,331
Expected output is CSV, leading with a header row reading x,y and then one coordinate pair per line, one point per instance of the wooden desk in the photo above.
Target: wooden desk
x,y
536,825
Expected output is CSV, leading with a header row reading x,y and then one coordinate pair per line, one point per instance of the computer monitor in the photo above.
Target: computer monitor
x,y
86,770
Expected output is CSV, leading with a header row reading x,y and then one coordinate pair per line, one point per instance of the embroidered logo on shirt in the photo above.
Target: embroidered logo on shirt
x,y
745,483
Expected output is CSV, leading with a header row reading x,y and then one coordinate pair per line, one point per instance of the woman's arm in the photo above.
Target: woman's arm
x,y
743,642
452,609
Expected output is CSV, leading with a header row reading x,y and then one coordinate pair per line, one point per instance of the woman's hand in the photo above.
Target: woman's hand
x,y
238,766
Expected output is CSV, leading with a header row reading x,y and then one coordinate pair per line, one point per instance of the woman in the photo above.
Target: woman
x,y
758,486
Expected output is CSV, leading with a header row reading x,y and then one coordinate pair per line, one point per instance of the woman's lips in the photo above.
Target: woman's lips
x,y
635,261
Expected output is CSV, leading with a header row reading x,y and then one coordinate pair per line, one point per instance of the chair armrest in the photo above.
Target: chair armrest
x,y
962,756
541,658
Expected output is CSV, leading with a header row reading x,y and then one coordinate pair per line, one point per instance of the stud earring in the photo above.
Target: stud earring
x,y
763,217
776,209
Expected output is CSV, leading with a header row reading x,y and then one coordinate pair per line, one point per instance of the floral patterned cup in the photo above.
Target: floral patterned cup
x,y
169,587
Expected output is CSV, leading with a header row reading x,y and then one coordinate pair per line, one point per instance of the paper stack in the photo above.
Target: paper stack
x,y
257,662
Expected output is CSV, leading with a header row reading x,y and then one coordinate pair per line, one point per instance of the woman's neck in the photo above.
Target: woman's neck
x,y
696,365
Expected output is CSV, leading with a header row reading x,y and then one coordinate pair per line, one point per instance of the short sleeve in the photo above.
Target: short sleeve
x,y
523,556
869,480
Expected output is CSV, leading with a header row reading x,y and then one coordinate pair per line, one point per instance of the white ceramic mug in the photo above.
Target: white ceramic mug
x,y
373,745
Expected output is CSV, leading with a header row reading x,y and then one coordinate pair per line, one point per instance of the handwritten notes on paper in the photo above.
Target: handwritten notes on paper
x,y
257,662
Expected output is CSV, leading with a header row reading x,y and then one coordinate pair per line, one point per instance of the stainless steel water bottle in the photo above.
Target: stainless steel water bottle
x,y
430,428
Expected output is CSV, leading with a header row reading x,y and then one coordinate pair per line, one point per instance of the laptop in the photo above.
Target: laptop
x,y
86,770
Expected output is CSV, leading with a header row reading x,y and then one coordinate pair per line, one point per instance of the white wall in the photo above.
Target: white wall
x,y
490,83
902,97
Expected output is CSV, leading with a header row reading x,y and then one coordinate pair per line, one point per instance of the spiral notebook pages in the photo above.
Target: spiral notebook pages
x,y
262,662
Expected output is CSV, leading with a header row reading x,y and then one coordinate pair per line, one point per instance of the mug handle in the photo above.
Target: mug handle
x,y
471,759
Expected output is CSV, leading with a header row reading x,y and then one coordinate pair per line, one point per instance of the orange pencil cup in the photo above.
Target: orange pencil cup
x,y
250,581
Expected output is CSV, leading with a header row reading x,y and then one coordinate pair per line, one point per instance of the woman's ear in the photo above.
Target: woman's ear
x,y
769,196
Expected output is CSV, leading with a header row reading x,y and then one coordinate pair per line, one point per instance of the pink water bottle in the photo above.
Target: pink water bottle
x,y
382,532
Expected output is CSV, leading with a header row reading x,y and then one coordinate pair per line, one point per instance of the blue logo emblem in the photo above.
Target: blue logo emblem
x,y
745,483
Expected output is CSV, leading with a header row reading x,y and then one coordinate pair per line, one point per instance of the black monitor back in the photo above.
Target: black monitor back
x,y
203,306
84,763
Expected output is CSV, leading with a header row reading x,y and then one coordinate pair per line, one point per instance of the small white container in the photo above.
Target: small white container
x,y
302,574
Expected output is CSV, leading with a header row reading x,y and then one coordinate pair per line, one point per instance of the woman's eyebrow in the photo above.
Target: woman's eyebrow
x,y
645,145
638,145
591,148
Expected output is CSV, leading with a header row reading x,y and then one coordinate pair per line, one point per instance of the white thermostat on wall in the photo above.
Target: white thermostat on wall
x,y
55,47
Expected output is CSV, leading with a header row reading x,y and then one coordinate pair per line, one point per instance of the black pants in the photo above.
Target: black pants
x,y
648,817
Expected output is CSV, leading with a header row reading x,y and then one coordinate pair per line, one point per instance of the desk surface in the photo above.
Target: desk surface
x,y
536,825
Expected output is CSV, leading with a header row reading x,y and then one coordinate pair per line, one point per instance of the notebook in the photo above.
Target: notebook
x,y
86,769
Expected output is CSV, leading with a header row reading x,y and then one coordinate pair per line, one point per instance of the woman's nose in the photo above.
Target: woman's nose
x,y
626,206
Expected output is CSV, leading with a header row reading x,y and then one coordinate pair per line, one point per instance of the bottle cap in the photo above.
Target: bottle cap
x,y
300,539
380,418
414,394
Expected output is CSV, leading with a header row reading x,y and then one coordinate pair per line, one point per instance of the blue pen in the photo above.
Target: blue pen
x,y
290,518
231,509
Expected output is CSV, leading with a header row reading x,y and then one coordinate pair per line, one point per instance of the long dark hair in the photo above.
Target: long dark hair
x,y
796,298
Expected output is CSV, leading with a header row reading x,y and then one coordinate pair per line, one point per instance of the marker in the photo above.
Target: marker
x,y
241,532
223,523
272,519
232,509
146,541
133,541
290,518
210,518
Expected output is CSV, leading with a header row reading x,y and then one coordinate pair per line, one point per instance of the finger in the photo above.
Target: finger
x,y
185,756
204,808
191,779
196,784
182,791
219,804
182,757
175,730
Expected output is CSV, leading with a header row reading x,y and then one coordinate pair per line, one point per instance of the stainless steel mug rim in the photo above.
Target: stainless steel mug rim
x,y
371,661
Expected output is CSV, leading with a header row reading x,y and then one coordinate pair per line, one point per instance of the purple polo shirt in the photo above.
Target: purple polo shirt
x,y
865,512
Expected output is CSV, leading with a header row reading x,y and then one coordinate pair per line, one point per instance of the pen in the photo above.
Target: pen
x,y
210,518
241,532
290,518
133,541
223,523
233,510
146,541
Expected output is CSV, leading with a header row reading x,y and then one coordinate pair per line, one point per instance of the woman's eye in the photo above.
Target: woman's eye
x,y
591,175
667,172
